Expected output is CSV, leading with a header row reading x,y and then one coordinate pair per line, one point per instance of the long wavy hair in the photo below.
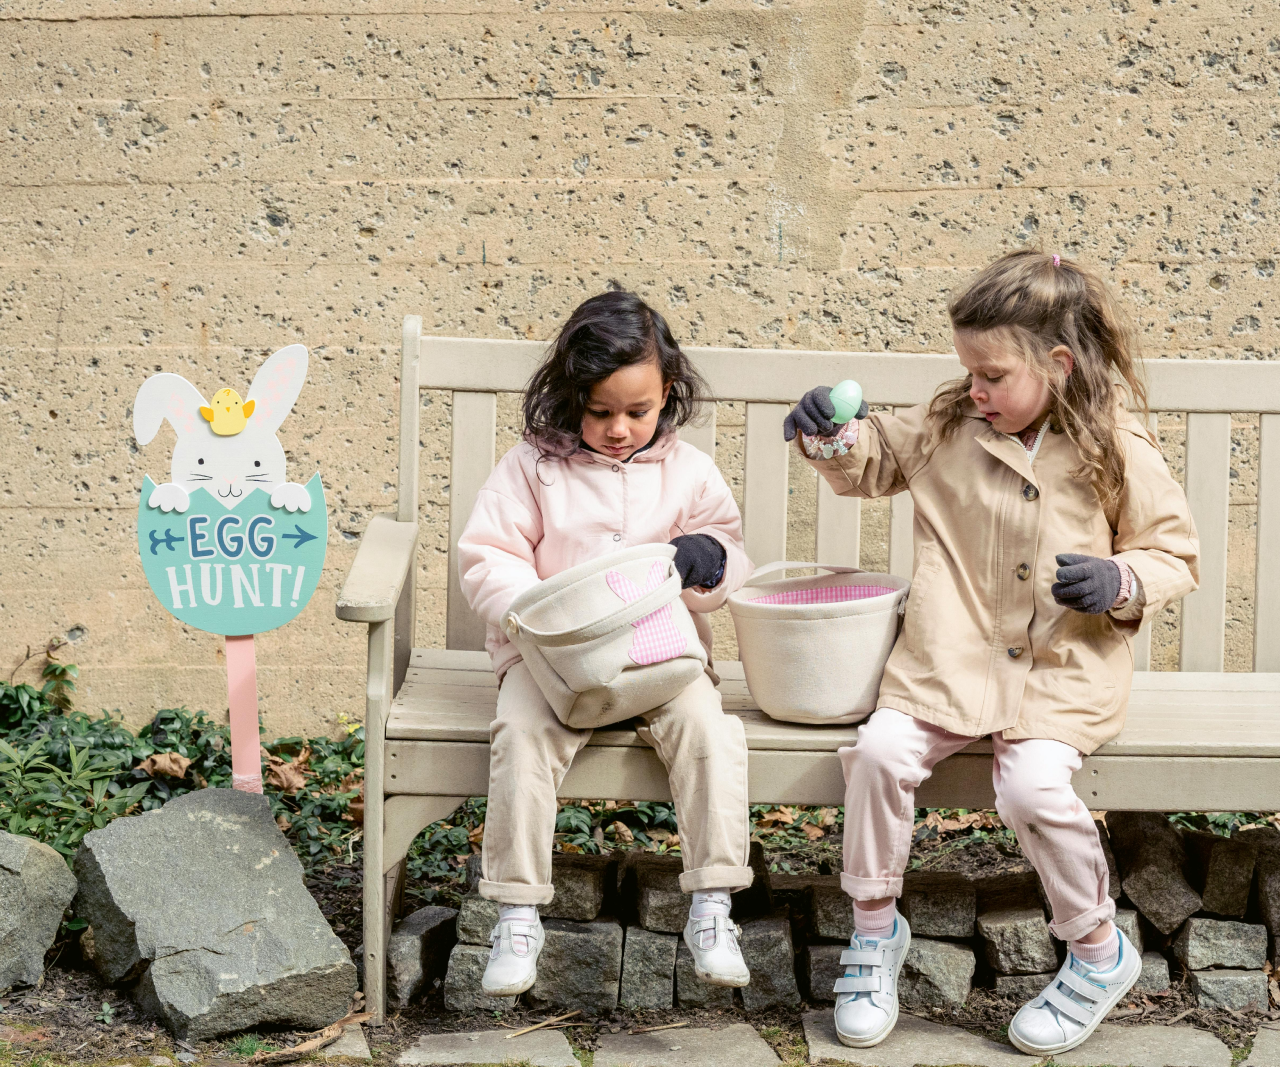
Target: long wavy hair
x,y
1039,302
605,333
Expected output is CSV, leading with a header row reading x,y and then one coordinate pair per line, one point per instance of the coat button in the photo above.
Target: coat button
x,y
1014,653
617,537
1030,492
1024,572
615,468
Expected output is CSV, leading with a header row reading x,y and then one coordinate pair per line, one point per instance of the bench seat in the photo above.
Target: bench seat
x,y
1192,741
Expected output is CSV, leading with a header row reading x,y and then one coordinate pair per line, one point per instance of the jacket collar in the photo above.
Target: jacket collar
x,y
1008,450
656,452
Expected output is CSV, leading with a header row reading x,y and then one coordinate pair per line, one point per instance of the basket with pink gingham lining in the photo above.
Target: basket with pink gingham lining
x,y
827,594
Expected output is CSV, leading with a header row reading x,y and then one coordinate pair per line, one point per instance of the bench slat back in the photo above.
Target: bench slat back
x,y
770,380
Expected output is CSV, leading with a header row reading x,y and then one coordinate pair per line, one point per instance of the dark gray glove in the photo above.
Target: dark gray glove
x,y
1086,583
700,559
813,415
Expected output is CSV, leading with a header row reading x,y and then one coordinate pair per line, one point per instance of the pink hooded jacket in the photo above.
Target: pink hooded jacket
x,y
533,520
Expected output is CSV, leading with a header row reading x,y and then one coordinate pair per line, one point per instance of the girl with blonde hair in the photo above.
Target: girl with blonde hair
x,y
1047,530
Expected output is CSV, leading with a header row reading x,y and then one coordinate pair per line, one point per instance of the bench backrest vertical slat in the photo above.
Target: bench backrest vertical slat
x,y
764,495
1266,598
839,526
1208,493
701,433
902,537
410,427
474,424
1142,641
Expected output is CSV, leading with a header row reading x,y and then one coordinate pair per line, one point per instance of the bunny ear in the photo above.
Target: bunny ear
x,y
167,396
277,385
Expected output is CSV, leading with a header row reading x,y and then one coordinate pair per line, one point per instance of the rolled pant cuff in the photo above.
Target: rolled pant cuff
x,y
1083,925
870,888
516,893
715,878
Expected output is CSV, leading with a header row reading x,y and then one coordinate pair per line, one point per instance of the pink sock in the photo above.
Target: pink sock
x,y
1103,954
876,923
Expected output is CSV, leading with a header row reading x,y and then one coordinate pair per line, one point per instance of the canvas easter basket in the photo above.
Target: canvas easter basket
x,y
813,647
608,639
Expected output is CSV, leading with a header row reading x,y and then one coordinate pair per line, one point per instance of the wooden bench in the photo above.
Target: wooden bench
x,y
1198,739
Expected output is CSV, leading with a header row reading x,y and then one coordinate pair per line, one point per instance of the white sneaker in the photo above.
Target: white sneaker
x,y
867,995
1074,1003
717,959
513,960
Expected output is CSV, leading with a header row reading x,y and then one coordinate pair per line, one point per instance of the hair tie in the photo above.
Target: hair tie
x,y
1057,260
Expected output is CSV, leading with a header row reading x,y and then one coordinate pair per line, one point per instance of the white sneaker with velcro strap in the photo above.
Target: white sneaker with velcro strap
x,y
513,959
1074,1003
717,959
867,995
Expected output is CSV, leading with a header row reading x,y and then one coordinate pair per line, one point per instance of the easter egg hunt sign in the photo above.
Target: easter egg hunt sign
x,y
237,572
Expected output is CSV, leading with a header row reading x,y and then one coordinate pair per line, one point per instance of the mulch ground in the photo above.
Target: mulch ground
x,y
64,1020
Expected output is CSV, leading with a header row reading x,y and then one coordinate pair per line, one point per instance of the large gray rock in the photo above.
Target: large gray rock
x,y
935,974
823,967
204,901
941,904
476,919
1151,858
1127,921
830,909
1205,943
1267,873
1237,990
1022,987
580,966
660,903
417,951
648,969
692,993
1155,974
35,889
1222,870
766,947
462,991
579,882
1018,941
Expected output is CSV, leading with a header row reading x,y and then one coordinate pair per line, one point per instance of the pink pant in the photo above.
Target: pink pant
x,y
895,753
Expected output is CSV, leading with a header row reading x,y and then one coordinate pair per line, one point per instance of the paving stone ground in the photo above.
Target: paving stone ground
x,y
542,1048
1266,1049
733,1046
350,1046
919,1043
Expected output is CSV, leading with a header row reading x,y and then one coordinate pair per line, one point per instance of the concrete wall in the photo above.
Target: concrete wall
x,y
187,186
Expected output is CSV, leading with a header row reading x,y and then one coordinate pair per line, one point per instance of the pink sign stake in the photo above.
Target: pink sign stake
x,y
242,696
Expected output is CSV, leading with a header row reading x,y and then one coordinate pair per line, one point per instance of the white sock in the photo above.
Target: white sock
x,y
874,924
1103,955
707,904
523,913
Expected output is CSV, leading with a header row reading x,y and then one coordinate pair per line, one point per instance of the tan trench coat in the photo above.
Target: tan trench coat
x,y
984,647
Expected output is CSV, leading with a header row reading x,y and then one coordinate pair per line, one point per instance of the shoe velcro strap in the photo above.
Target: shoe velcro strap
x,y
868,983
1080,984
1072,1009
863,957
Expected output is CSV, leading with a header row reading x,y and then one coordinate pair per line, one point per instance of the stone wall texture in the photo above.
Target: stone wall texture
x,y
189,185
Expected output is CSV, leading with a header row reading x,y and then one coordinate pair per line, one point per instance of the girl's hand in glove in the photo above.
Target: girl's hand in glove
x,y
1086,583
813,415
700,559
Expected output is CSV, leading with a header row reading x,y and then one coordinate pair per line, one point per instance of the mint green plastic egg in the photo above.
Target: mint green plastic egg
x,y
847,398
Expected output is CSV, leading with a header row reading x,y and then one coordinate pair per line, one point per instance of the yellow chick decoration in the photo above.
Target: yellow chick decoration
x,y
228,415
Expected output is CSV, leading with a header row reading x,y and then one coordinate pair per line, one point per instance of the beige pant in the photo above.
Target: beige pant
x,y
896,752
703,749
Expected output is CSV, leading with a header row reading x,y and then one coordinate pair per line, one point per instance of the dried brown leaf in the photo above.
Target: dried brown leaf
x,y
170,764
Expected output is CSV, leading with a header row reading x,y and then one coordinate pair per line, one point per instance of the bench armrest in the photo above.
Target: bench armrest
x,y
382,566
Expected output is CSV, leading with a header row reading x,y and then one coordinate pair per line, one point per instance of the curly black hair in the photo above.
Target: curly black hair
x,y
613,330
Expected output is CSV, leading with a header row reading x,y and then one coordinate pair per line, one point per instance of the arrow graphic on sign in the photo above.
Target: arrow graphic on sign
x,y
300,538
168,540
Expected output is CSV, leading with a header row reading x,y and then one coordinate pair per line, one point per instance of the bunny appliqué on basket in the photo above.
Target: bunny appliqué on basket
x,y
226,447
656,637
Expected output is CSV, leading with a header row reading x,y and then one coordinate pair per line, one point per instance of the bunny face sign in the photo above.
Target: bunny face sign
x,y
228,544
